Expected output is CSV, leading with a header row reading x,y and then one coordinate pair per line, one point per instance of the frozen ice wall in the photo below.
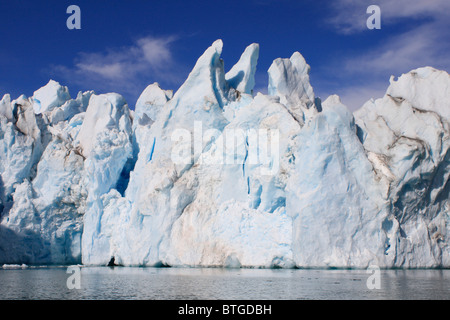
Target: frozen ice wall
x,y
212,175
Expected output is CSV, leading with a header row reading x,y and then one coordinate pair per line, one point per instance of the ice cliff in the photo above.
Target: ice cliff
x,y
216,175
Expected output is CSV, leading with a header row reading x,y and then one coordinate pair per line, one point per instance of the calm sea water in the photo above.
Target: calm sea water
x,y
212,283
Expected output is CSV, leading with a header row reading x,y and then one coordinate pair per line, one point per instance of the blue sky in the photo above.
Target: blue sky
x,y
124,45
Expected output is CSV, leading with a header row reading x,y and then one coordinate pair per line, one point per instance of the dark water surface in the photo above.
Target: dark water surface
x,y
211,283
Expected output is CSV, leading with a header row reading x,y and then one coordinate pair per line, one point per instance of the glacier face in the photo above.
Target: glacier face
x,y
213,175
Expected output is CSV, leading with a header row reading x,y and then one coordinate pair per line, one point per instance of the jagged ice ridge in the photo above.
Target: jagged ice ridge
x,y
87,179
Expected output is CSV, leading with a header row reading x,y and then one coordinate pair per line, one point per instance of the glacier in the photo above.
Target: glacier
x,y
216,175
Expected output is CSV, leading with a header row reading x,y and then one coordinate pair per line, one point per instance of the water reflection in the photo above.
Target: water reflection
x,y
219,283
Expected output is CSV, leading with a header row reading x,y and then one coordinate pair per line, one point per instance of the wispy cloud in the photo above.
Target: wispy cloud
x,y
354,97
425,43
349,16
422,46
125,69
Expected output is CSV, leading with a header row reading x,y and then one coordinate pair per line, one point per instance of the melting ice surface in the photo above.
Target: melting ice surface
x,y
84,180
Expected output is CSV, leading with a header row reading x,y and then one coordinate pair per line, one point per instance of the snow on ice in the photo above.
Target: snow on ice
x,y
213,175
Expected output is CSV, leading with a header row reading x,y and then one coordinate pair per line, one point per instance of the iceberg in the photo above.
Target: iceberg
x,y
242,75
49,97
213,175
289,80
149,104
336,207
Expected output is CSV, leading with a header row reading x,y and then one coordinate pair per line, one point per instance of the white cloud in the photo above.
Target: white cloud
x,y
349,16
108,71
124,69
155,51
424,44
354,97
